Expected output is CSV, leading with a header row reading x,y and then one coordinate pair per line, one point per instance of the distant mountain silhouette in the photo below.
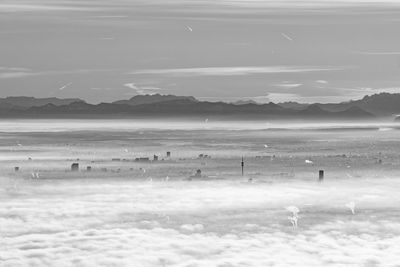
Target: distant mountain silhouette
x,y
294,105
149,99
243,102
27,102
383,104
315,110
172,106
380,104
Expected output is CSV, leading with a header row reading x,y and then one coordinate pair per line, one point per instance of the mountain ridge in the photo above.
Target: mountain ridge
x,y
27,101
171,105
382,104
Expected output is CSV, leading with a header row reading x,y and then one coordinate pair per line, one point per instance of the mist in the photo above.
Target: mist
x,y
124,212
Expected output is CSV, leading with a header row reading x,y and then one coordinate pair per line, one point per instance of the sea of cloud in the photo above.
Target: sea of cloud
x,y
99,222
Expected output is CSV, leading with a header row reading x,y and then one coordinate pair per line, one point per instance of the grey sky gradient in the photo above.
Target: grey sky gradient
x,y
104,50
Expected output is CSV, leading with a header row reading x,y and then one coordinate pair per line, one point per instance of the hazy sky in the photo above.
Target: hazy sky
x,y
279,50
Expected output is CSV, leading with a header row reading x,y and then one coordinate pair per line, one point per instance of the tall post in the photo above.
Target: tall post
x,y
321,175
242,167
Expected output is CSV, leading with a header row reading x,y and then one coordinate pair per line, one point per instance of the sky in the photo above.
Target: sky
x,y
229,50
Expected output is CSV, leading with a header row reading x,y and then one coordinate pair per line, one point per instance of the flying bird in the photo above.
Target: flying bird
x,y
266,146
64,86
287,37
189,28
308,161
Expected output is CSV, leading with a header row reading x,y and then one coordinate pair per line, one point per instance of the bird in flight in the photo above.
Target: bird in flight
x,y
287,37
64,86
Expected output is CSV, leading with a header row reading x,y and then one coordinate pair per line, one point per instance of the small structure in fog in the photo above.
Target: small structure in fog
x,y
321,175
204,156
155,158
242,164
89,168
16,169
197,174
116,159
75,167
310,162
168,154
142,159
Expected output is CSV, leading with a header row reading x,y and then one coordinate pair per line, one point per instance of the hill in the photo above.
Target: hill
x,y
172,106
383,104
150,99
27,102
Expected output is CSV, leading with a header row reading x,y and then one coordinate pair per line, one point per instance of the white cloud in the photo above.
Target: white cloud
x,y
309,3
321,81
123,223
142,90
14,73
42,5
101,89
381,53
235,71
288,85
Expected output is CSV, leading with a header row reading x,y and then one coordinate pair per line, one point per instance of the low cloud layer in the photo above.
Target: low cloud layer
x,y
76,223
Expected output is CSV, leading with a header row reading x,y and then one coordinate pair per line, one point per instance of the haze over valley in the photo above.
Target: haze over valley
x,y
199,133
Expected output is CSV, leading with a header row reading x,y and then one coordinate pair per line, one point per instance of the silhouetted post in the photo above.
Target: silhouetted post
x,y
242,166
75,167
321,175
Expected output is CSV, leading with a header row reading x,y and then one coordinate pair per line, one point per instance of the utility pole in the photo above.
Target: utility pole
x,y
242,166
321,175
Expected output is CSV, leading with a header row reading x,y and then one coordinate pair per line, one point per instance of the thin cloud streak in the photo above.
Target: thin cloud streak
x,y
377,53
288,85
5,8
142,90
11,73
234,71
